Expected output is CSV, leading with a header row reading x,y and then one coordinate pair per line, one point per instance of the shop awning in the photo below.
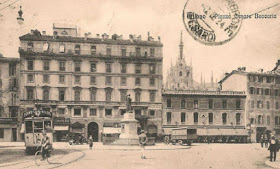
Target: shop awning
x,y
111,130
78,125
222,132
61,128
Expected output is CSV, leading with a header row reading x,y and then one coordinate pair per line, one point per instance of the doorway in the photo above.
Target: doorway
x,y
93,131
14,132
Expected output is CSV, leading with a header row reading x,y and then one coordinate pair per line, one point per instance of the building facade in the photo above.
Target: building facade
x,y
180,75
84,81
10,118
263,99
216,115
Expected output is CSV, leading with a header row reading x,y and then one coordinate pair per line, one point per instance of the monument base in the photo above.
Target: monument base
x,y
128,134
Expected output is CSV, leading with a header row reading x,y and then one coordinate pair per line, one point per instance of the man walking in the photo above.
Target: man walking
x,y
90,141
261,140
273,147
143,140
265,140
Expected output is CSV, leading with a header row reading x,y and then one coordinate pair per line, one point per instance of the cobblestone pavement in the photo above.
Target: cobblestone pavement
x,y
212,156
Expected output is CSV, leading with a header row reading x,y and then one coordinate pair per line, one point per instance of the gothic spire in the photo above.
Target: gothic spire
x,y
181,46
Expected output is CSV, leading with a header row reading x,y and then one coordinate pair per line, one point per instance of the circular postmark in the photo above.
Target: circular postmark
x,y
212,22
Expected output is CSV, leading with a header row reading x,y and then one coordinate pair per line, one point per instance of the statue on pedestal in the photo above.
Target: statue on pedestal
x,y
128,104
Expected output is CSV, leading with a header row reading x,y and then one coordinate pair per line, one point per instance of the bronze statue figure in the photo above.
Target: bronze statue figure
x,y
128,104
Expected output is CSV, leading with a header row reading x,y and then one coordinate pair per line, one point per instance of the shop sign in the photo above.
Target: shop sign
x,y
61,121
37,113
8,120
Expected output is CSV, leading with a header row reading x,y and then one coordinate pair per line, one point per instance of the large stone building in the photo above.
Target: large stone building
x,y
262,103
180,75
218,116
86,80
10,119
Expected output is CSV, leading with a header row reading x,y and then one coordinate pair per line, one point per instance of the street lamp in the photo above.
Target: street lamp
x,y
20,18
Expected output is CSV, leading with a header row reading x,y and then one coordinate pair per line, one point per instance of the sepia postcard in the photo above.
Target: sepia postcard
x,y
136,84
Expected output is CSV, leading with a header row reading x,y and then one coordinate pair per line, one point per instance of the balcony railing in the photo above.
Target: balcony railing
x,y
88,52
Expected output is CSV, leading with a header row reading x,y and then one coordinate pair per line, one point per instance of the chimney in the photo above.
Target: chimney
x,y
102,37
148,36
97,36
159,38
120,37
44,33
139,37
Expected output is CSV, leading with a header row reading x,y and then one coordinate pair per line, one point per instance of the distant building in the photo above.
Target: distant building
x,y
263,98
85,80
218,116
9,100
180,76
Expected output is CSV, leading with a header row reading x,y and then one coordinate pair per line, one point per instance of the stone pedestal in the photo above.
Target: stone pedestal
x,y
128,134
129,127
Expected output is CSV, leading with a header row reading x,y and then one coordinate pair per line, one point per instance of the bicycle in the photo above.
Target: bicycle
x,y
38,156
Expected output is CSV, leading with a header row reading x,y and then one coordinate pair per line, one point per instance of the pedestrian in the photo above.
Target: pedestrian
x,y
143,140
262,140
266,140
273,147
90,140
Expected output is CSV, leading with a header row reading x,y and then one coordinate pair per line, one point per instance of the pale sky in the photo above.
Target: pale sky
x,y
257,44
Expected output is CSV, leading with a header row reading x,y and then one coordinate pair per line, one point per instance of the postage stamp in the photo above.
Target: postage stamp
x,y
212,22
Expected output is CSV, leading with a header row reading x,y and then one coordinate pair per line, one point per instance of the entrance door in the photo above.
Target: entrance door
x,y
14,131
93,131
260,131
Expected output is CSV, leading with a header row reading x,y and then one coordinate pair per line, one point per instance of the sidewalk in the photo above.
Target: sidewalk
x,y
100,146
96,146
273,164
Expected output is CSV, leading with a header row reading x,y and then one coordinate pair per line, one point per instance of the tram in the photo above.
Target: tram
x,y
35,123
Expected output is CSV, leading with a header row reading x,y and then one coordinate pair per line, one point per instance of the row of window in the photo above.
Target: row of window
x,y
93,50
93,68
260,104
196,118
93,80
211,104
264,79
260,120
93,95
93,112
261,91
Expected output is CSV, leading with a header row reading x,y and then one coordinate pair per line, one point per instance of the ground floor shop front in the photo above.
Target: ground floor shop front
x,y
9,130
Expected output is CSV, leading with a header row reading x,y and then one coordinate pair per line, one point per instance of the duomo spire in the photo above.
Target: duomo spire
x,y
181,46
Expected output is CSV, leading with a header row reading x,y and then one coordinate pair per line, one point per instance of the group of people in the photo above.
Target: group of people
x,y
142,142
273,145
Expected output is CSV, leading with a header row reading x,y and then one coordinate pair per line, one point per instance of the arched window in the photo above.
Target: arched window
x,y
137,96
46,94
93,95
181,73
77,95
108,96
188,73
